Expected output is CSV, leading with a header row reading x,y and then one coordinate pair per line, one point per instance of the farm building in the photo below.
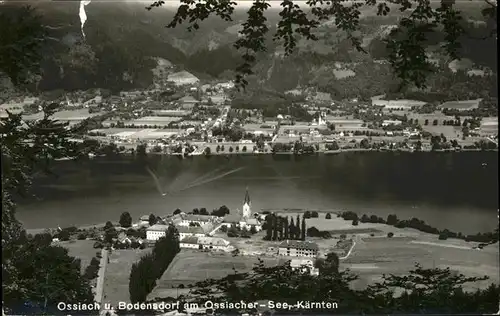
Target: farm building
x,y
156,232
144,219
489,126
209,243
188,102
189,242
214,243
195,231
389,122
294,248
259,129
188,219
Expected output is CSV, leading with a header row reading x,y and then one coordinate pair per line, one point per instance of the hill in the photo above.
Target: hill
x,y
122,39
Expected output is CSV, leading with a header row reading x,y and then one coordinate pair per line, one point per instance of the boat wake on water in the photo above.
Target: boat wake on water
x,y
206,178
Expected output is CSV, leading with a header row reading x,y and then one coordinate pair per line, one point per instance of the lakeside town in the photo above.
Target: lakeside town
x,y
182,115
348,124
215,244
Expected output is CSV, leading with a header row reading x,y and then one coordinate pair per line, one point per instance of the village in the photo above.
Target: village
x,y
216,244
183,115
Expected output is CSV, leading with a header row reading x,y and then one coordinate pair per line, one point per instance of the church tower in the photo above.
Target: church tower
x,y
247,212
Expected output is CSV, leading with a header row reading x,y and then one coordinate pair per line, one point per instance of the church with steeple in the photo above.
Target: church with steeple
x,y
247,211
243,219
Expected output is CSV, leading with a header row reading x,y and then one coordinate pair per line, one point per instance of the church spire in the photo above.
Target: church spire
x,y
247,197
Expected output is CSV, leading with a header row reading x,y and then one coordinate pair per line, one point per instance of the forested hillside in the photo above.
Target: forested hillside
x,y
121,38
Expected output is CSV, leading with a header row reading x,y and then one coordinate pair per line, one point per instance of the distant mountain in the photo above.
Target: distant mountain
x,y
122,38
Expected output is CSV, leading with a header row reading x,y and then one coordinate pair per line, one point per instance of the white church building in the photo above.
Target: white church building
x,y
243,219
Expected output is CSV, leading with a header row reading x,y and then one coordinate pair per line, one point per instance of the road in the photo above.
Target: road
x,y
355,240
100,276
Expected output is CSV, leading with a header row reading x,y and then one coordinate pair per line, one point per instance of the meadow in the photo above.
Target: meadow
x,y
372,257
81,249
116,279
189,267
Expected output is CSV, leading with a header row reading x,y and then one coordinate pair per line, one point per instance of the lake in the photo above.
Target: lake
x,y
458,191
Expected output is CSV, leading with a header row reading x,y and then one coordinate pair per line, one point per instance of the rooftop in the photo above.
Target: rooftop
x,y
196,218
190,229
214,241
232,218
158,228
190,240
295,263
299,244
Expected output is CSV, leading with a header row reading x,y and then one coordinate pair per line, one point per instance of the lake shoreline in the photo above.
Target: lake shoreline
x,y
100,189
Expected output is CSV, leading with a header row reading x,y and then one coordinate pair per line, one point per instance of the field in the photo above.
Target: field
x,y
373,257
81,249
461,105
66,115
189,267
450,132
135,133
117,274
154,120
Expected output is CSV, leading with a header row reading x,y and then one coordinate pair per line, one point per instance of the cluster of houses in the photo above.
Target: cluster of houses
x,y
197,232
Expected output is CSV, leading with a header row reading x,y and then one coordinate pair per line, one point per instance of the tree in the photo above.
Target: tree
x,y
269,227
390,234
406,44
22,37
151,267
203,211
244,149
35,275
392,219
328,216
297,228
177,211
50,269
110,234
253,230
281,229
275,225
125,220
354,222
152,219
443,235
140,150
286,232
303,229
291,229
435,122
314,214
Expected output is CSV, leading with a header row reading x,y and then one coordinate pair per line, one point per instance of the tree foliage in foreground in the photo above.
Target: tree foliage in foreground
x,y
423,290
42,276
32,270
22,36
151,267
406,43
